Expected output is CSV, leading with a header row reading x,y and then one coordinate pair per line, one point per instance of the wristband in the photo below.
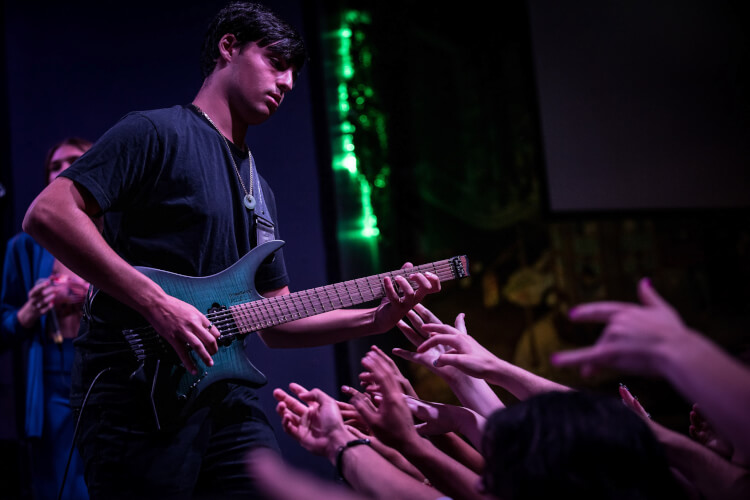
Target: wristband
x,y
340,454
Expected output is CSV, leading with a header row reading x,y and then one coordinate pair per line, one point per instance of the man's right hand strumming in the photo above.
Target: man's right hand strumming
x,y
185,328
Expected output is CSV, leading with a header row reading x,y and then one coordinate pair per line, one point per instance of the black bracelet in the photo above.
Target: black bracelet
x,y
340,454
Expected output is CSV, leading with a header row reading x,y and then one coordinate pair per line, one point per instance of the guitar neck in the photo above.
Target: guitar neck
x,y
260,314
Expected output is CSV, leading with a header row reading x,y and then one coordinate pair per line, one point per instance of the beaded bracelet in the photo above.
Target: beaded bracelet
x,y
340,454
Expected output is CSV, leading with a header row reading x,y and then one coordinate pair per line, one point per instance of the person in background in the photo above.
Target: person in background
x,y
41,305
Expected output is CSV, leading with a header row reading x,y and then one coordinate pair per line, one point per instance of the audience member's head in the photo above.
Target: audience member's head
x,y
573,445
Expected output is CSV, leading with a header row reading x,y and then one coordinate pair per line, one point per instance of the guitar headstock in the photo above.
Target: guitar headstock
x,y
460,266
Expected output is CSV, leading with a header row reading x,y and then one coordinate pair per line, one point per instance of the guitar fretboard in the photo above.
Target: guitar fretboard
x,y
260,314
242,319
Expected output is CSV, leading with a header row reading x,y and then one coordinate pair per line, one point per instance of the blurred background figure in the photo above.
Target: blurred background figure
x,y
41,305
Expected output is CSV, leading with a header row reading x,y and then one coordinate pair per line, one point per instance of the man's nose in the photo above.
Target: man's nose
x,y
286,81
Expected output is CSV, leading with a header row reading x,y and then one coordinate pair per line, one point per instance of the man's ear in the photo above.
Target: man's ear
x,y
228,47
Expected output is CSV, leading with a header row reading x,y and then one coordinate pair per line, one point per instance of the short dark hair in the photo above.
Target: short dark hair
x,y
76,142
574,445
252,22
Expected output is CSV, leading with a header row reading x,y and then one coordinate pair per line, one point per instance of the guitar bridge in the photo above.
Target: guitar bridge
x,y
144,342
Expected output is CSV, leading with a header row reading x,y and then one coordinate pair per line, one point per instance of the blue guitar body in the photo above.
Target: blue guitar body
x,y
232,286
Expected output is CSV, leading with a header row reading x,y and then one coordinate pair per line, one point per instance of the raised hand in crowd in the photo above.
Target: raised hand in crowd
x,y
440,418
467,355
635,336
372,388
390,454
702,432
650,339
350,414
702,473
314,420
391,421
448,442
316,423
472,392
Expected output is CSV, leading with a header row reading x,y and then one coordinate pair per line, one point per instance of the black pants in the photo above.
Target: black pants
x,y
199,456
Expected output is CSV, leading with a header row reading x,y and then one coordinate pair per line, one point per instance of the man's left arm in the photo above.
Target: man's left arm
x,y
346,324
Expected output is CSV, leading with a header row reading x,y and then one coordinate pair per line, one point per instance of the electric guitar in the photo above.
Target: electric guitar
x,y
232,304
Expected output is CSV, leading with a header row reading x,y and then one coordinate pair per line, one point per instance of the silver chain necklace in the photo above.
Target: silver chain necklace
x,y
249,199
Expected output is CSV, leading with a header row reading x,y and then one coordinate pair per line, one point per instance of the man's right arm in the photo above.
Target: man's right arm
x,y
60,220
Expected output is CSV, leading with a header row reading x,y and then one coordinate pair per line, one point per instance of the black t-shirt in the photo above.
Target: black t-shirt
x,y
171,200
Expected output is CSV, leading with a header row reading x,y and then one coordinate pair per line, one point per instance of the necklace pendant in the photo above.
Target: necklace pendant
x,y
249,201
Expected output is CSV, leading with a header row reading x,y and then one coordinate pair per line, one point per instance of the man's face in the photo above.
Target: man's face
x,y
260,79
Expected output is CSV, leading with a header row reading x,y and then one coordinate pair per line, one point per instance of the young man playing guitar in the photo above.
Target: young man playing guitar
x,y
179,192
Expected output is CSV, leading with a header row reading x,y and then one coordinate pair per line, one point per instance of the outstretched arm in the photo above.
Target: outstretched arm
x,y
442,437
651,339
715,477
371,387
439,418
472,392
346,324
472,358
280,481
392,423
703,432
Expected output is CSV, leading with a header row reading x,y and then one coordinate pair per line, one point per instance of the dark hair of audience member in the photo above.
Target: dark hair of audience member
x,y
574,445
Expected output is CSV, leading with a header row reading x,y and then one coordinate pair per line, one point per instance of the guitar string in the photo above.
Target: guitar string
x,y
230,316
279,305
345,287
226,320
230,321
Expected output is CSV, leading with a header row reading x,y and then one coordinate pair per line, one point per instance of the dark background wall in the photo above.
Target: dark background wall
x,y
643,105
495,118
